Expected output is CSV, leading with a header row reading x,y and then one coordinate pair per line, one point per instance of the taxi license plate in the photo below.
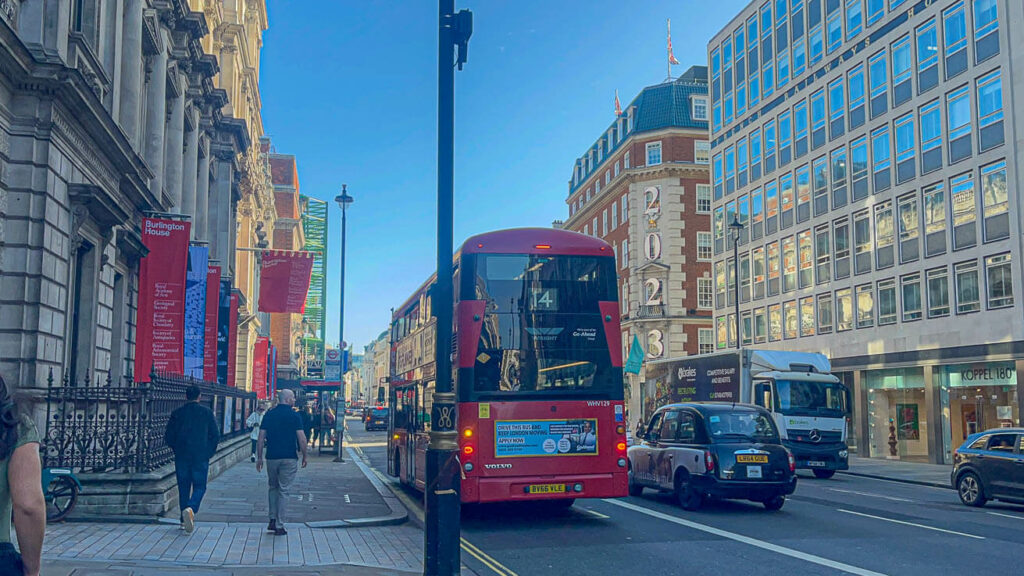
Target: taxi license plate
x,y
547,488
815,463
754,458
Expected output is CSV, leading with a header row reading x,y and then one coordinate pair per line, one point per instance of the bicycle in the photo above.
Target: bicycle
x,y
60,489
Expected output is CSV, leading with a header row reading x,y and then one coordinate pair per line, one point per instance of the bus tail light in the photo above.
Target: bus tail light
x,y
467,450
621,446
543,246
620,429
709,462
467,433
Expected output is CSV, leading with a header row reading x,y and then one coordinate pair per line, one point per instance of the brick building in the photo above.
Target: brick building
x,y
644,187
286,329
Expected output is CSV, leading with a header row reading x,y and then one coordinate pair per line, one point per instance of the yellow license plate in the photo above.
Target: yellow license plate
x,y
547,488
752,458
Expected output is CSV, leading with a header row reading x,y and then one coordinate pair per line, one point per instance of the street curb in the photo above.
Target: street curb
x,y
398,514
892,479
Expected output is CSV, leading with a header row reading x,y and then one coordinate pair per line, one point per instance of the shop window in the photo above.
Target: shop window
x,y
938,292
807,316
964,211
999,280
934,208
968,295
994,199
844,310
981,396
774,323
886,302
824,314
910,289
896,401
927,56
760,327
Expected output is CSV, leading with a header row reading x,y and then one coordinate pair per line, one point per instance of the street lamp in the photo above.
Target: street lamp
x,y
735,228
343,201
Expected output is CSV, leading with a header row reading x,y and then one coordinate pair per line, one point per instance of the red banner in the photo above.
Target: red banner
x,y
233,340
210,337
161,314
284,281
259,367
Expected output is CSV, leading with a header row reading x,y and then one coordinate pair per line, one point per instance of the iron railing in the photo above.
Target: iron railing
x,y
92,427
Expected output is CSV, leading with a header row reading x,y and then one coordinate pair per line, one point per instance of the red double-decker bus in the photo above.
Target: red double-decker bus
x,y
537,362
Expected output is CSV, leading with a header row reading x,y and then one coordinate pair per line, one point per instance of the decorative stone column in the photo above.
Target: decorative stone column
x,y
156,117
221,226
174,149
191,162
202,193
131,70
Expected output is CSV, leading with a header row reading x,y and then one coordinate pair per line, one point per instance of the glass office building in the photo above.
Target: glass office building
x,y
867,149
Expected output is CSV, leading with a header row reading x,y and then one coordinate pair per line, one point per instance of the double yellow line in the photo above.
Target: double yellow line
x,y
498,568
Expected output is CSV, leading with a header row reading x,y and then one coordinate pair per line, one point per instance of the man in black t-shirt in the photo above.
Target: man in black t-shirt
x,y
280,431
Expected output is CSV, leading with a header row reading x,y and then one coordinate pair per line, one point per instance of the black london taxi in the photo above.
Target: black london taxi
x,y
706,450
377,420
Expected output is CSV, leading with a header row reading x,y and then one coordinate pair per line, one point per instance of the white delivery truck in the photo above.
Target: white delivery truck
x,y
808,403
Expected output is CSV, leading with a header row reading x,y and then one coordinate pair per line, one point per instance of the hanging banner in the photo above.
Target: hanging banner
x,y
195,309
259,367
223,332
161,312
272,363
210,329
232,339
284,281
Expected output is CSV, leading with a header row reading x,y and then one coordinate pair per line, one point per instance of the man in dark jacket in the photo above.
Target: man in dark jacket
x,y
192,434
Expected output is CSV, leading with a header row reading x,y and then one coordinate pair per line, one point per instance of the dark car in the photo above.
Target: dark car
x,y
708,450
990,466
377,419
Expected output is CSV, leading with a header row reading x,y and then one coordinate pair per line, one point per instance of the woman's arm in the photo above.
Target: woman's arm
x,y
24,476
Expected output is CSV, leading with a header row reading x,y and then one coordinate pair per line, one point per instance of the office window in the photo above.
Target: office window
x,y
597,186
705,293
807,316
719,226
803,194
783,68
788,264
862,241
625,160
990,111
819,183
938,292
855,80
986,24
816,39
865,306
607,176
624,208
859,172
699,107
901,71
604,223
879,80
790,318
730,169
742,159
615,215
720,284
785,138
701,151
825,314
730,214
800,126
722,338
838,166
774,323
719,175
994,198
774,268
769,147
836,107
758,271
799,57
876,9
786,194
703,198
618,169
818,119
755,155
716,118
753,87
841,244
744,216
968,295
910,287
844,310
760,327
931,137
934,208
594,227
886,302
653,153
927,41
767,79
881,159
961,190
625,253
806,254
834,31
822,255
854,18
745,277
705,340
703,246
908,227
1000,281
756,212
727,106
954,23
884,233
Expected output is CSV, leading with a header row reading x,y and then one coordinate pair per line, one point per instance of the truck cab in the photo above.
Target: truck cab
x,y
808,404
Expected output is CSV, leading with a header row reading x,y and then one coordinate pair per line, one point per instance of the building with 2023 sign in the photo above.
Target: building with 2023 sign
x,y
644,187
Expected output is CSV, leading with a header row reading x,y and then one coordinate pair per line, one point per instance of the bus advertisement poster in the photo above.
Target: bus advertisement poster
x,y
545,437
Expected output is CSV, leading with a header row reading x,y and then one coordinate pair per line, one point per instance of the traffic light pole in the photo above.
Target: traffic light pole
x,y
443,507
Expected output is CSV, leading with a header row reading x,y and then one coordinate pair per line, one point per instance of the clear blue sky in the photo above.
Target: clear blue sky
x,y
350,88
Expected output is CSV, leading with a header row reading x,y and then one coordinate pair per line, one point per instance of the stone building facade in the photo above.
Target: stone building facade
x,y
644,187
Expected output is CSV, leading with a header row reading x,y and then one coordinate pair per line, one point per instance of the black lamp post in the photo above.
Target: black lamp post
x,y
343,201
735,228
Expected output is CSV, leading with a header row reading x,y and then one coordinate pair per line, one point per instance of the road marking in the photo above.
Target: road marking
x,y
366,444
749,541
912,524
498,568
893,498
347,499
1007,515
594,513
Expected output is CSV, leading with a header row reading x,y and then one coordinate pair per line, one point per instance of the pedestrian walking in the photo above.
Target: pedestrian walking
x,y
307,421
282,433
193,434
253,422
318,423
21,492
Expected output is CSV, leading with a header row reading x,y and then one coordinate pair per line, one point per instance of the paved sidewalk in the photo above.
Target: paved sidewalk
x,y
898,471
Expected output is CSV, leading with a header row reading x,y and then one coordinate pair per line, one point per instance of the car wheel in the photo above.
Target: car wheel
x,y
634,488
687,494
970,490
824,474
775,503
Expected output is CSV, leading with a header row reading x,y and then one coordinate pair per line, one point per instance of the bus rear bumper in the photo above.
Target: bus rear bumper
x,y
519,488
